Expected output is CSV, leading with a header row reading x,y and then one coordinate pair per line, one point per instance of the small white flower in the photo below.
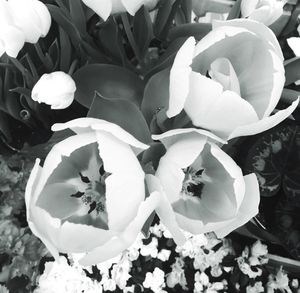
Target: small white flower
x,y
3,289
279,282
258,249
155,281
257,288
108,283
55,89
58,276
164,254
150,249
120,272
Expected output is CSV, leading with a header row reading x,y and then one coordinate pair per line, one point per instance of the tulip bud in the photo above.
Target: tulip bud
x,y
55,89
22,21
265,11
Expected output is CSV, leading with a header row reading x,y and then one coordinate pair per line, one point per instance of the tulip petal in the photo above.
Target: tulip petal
x,y
77,238
57,200
262,31
119,243
102,7
26,19
44,16
125,186
63,148
264,124
164,210
132,6
179,77
13,40
44,227
221,162
179,155
82,125
170,137
248,208
30,191
247,7
294,44
210,108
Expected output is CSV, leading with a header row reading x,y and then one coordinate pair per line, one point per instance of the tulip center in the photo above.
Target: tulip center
x,y
222,71
193,182
94,194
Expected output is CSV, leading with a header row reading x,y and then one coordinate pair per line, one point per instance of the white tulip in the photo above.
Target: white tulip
x,y
55,89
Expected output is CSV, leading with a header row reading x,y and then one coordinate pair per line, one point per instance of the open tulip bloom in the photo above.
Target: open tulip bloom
x,y
204,186
89,196
230,81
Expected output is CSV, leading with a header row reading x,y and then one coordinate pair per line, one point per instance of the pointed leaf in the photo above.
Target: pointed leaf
x,y
123,113
156,94
77,15
292,72
142,29
65,50
110,40
110,81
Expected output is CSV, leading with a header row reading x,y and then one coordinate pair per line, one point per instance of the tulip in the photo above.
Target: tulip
x,y
230,82
265,11
204,186
55,89
22,21
104,8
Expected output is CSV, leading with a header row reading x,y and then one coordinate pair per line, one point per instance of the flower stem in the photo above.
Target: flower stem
x,y
131,38
26,74
72,67
46,60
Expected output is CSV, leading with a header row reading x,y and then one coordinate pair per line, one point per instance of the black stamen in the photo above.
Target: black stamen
x,y
199,172
78,194
93,205
84,179
196,189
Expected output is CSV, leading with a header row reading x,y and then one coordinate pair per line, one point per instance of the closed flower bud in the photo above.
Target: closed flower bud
x,y
55,89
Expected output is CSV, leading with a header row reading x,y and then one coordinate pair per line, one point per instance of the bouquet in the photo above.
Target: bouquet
x,y
137,135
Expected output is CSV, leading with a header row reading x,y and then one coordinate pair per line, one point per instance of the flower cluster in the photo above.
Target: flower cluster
x,y
136,109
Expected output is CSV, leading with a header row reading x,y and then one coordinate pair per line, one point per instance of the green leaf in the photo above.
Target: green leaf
x,y
66,24
77,15
123,113
110,81
142,29
197,30
162,16
65,50
186,8
22,91
292,72
54,53
110,40
235,10
156,94
166,59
